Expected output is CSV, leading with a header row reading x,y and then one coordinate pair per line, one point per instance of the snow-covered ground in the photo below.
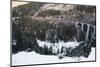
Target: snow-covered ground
x,y
24,58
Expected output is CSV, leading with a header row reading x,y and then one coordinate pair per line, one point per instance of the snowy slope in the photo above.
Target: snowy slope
x,y
24,58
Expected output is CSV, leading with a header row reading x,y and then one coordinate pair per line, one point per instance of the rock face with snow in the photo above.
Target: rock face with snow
x,y
52,36
87,33
43,31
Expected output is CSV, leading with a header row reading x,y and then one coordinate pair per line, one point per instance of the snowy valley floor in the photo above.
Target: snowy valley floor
x,y
26,58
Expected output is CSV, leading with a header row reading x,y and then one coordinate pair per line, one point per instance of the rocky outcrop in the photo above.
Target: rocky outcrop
x,y
25,37
54,26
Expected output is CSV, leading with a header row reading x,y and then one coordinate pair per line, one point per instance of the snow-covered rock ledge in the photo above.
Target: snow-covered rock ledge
x,y
71,49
